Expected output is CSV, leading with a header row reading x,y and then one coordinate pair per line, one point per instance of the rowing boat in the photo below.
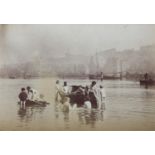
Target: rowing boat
x,y
147,82
39,103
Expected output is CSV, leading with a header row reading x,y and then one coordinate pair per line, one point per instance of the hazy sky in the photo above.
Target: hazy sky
x,y
29,40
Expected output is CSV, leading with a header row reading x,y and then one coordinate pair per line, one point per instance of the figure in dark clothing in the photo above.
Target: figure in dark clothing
x,y
23,97
146,76
93,95
93,100
102,76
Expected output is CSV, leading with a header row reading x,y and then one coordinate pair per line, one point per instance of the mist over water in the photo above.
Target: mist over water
x,y
42,50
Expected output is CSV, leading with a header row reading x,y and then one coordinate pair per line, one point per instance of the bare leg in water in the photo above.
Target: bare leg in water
x,y
22,104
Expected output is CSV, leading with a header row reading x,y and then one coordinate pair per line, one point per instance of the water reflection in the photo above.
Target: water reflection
x,y
27,113
86,116
90,116
66,119
62,112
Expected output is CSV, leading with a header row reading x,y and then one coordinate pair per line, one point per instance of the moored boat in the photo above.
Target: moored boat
x,y
147,82
105,77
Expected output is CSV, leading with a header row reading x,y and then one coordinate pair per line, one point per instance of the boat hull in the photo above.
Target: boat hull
x,y
147,82
35,103
98,77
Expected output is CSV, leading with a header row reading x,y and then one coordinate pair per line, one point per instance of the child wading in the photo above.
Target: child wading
x,y
23,97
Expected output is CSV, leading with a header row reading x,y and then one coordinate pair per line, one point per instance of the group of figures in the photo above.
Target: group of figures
x,y
28,95
92,96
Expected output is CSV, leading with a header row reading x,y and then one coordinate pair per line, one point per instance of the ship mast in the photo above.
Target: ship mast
x,y
97,64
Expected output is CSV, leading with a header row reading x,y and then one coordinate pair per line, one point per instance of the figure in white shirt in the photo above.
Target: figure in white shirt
x,y
94,95
57,91
33,94
66,88
102,97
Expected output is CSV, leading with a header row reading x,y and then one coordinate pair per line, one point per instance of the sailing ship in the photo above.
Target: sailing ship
x,y
107,76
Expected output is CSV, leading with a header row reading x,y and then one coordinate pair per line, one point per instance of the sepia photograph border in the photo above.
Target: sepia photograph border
x,y
71,12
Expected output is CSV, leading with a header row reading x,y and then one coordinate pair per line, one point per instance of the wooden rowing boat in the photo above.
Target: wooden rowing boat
x,y
37,103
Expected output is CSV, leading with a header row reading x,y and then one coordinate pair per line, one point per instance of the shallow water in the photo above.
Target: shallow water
x,y
128,107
